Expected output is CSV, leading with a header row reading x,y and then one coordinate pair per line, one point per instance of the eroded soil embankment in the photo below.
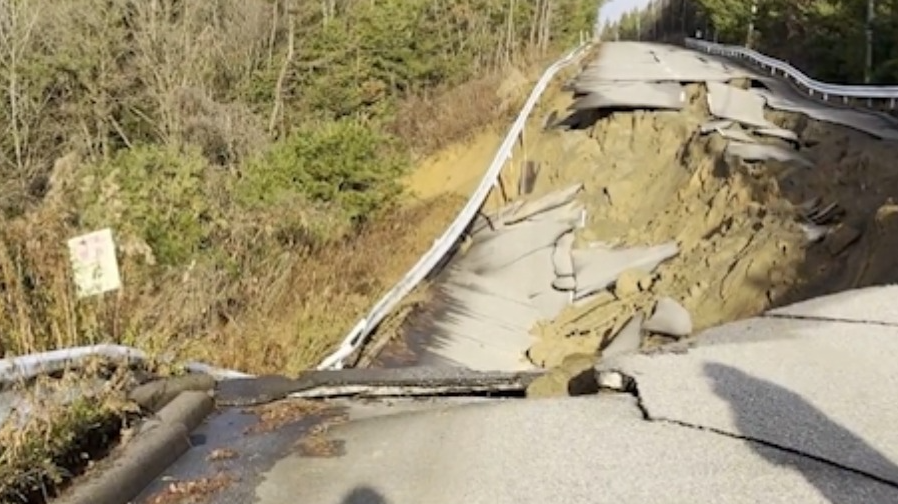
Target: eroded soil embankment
x,y
746,242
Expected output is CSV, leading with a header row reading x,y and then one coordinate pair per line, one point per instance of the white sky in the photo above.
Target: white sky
x,y
614,9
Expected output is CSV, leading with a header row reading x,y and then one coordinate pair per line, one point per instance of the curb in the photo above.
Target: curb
x,y
159,444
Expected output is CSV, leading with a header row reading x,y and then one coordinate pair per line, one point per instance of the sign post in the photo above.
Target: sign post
x,y
94,263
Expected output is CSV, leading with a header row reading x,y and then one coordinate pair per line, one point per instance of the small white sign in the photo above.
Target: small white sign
x,y
94,263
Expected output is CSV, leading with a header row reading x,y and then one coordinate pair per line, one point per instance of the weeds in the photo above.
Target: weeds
x,y
48,443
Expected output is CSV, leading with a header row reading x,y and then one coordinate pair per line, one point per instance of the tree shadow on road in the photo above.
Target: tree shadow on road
x,y
853,472
364,495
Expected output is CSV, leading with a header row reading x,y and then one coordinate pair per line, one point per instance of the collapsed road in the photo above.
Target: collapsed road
x,y
664,257
681,192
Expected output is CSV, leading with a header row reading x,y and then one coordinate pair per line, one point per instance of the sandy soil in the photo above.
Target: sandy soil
x,y
457,169
650,178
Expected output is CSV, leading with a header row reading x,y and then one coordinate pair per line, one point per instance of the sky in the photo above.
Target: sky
x,y
612,10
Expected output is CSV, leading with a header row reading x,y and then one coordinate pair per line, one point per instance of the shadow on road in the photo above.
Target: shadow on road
x,y
364,495
767,411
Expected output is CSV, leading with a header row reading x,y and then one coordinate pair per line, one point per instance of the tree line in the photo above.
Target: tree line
x,y
842,41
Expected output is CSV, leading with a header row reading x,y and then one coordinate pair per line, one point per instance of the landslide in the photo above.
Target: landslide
x,y
650,178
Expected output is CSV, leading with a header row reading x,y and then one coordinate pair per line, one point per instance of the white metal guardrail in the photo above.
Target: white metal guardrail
x,y
442,245
871,94
25,367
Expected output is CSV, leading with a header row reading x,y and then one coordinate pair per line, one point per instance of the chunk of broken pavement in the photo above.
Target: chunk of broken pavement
x,y
575,376
628,340
670,318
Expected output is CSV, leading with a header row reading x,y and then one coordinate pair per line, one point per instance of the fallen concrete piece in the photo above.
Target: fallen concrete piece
x,y
548,202
597,269
375,382
825,389
867,305
501,248
759,152
627,95
739,105
670,318
628,340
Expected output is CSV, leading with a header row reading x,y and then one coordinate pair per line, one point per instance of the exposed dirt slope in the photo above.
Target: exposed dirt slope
x,y
650,178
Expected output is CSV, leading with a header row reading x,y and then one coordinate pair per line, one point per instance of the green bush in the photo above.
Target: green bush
x,y
153,193
344,165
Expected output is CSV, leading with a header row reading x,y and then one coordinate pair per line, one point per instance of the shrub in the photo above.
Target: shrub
x,y
344,165
153,193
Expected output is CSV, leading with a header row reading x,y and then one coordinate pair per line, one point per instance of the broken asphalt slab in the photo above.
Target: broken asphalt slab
x,y
875,305
596,449
824,389
408,381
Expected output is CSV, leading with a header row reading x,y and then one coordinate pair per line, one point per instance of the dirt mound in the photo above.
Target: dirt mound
x,y
751,235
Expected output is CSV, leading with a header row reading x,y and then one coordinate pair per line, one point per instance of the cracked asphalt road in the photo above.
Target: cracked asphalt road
x,y
771,409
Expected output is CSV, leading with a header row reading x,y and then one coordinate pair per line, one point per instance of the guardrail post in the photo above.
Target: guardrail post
x,y
891,103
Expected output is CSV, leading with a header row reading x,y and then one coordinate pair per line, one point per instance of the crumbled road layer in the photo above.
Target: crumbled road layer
x,y
751,235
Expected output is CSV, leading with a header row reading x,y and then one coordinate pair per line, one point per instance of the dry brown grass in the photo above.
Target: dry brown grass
x,y
312,302
454,114
283,316
431,123
43,448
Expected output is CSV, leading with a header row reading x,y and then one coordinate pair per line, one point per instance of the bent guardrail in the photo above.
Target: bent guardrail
x,y
826,91
443,245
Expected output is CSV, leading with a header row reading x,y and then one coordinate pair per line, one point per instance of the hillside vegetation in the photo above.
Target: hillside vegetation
x,y
825,38
246,153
